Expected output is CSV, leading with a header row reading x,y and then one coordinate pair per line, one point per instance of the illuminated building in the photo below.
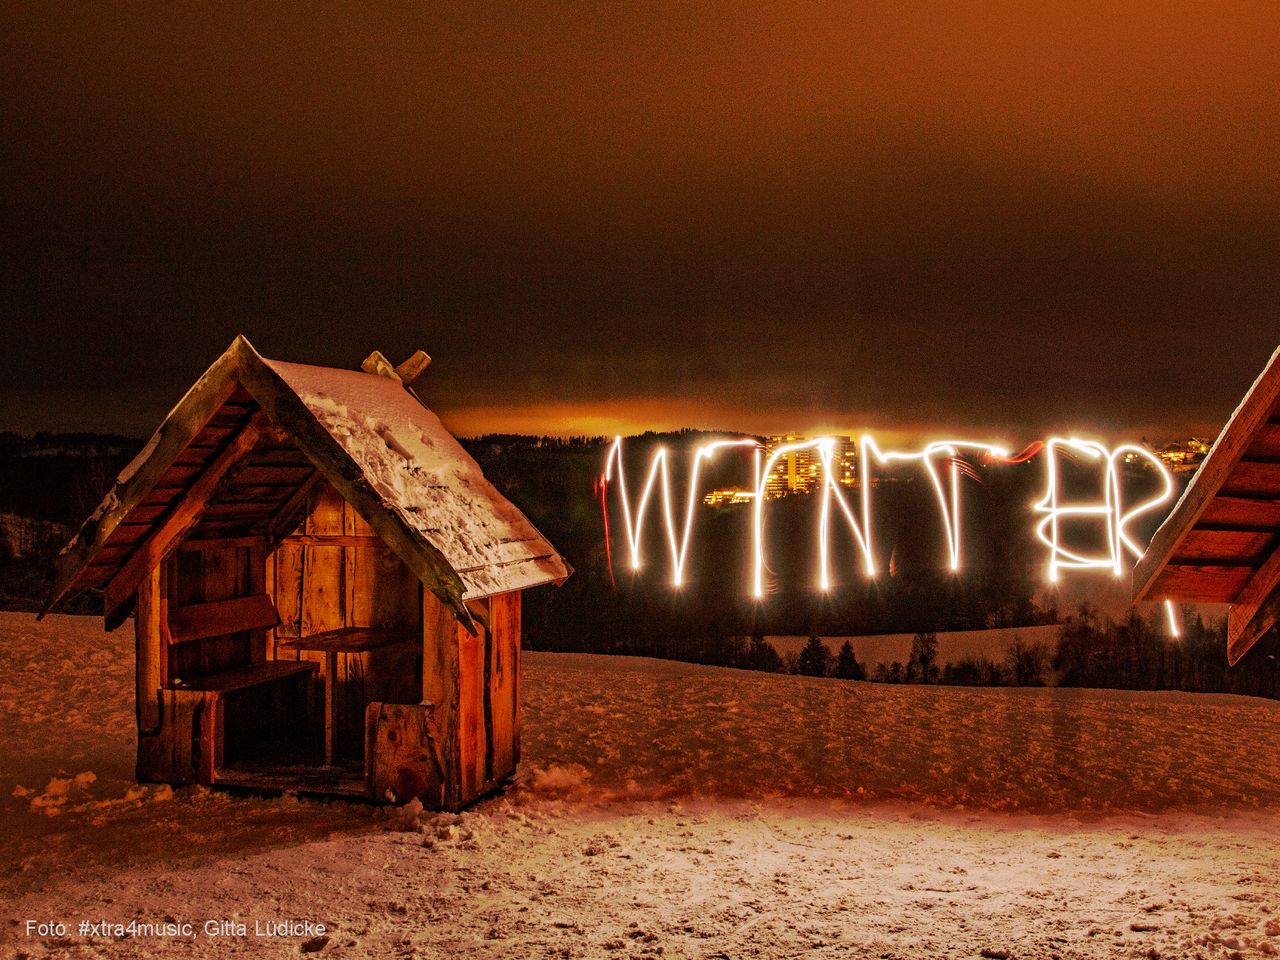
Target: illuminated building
x,y
728,496
800,470
1184,456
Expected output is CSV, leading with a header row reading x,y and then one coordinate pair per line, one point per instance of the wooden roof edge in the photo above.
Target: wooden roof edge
x,y
568,571
554,581
1252,411
1255,611
187,418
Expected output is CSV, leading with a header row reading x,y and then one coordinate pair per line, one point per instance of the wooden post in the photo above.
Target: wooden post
x,y
473,732
148,631
504,674
440,689
330,705
402,756
258,585
517,627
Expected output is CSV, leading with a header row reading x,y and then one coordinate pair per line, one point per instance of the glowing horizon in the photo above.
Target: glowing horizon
x,y
637,416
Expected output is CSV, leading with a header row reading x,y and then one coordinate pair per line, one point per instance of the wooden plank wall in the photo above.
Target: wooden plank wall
x,y
200,576
358,582
167,757
404,746
505,686
332,571
474,717
488,709
151,650
440,689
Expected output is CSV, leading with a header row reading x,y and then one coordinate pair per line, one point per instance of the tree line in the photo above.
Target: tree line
x,y
1133,653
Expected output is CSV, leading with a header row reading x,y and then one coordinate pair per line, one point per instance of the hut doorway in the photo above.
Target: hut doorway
x,y
288,633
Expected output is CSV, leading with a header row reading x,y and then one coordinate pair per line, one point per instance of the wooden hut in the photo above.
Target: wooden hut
x,y
1221,543
325,588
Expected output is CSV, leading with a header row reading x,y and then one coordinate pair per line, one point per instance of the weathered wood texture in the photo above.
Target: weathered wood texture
x,y
331,572
404,757
487,697
218,719
440,689
210,741
1253,479
151,649
1221,543
329,781
1235,468
1239,512
205,591
352,581
150,507
288,411
504,677
1243,546
253,675
1202,583
181,519
169,755
473,717
200,620
228,603
1251,616
211,392
247,521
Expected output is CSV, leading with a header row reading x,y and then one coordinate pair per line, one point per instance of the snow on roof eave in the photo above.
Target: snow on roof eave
x,y
520,575
1249,415
242,364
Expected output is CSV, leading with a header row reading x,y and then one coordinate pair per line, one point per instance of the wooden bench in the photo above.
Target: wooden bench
x,y
241,678
199,621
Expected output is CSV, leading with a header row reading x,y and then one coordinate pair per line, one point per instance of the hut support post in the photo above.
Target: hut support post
x,y
440,688
166,718
149,638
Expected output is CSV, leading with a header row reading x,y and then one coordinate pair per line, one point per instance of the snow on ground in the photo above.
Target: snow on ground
x,y
674,810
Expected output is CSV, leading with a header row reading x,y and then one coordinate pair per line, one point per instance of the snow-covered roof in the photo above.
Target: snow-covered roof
x,y
426,479
366,433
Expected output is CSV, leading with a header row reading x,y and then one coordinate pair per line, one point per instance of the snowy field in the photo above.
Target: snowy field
x,y
670,810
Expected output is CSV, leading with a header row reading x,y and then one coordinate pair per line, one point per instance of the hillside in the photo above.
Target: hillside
x,y
664,807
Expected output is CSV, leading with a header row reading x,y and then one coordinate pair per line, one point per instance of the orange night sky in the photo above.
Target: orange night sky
x,y
984,216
